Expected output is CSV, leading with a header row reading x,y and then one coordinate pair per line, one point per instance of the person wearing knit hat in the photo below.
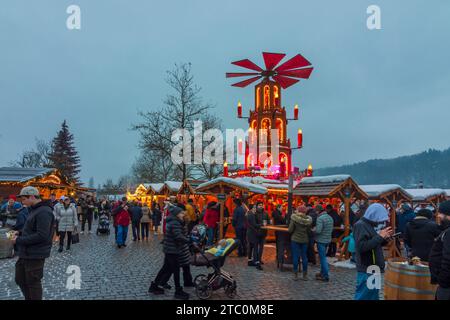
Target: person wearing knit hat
x,y
439,261
174,241
368,248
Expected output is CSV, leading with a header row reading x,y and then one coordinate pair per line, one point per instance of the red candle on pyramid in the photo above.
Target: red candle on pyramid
x,y
239,110
296,112
300,138
225,169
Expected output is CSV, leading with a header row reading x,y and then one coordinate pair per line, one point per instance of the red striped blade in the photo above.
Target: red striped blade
x,y
247,64
298,73
245,83
272,59
297,61
285,82
242,74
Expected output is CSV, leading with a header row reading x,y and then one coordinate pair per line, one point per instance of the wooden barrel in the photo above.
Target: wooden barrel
x,y
406,282
6,246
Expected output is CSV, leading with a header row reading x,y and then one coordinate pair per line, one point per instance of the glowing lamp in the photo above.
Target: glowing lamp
x,y
296,112
309,172
299,138
225,169
240,146
239,110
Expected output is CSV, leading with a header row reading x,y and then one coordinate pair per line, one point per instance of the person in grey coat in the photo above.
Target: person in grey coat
x,y
368,248
322,236
66,215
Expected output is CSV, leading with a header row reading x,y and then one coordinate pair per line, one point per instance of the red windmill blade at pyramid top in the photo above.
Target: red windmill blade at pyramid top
x,y
286,74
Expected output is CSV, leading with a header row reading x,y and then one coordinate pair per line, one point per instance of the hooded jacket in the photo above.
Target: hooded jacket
x,y
368,243
175,238
419,236
299,228
36,239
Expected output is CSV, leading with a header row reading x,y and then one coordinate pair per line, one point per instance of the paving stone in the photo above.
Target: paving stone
x,y
111,273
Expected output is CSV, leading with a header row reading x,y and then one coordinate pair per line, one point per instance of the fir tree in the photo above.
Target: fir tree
x,y
64,156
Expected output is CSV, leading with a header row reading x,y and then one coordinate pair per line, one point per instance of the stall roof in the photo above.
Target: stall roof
x,y
447,191
328,186
375,191
238,183
155,187
11,174
173,186
426,194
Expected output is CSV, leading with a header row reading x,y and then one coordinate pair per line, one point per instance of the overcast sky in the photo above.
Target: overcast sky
x,y
372,94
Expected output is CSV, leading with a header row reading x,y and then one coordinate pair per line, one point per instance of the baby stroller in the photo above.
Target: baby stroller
x,y
206,284
103,224
198,236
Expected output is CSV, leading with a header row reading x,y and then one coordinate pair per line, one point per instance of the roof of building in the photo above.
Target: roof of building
x,y
12,174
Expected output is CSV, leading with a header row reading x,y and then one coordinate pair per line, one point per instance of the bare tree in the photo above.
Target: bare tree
x,y
35,158
153,166
180,110
209,171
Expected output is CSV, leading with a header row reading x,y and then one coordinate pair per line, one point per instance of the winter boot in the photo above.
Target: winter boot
x,y
305,276
60,248
155,289
295,276
180,294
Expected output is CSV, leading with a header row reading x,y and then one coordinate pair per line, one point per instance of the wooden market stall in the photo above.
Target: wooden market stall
x,y
391,195
427,196
341,187
188,190
447,192
140,194
47,180
224,189
154,192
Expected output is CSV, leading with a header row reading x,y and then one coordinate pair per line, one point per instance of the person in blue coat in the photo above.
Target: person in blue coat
x,y
405,216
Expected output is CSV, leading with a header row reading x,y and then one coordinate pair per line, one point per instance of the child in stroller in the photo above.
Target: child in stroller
x,y
198,236
103,223
215,258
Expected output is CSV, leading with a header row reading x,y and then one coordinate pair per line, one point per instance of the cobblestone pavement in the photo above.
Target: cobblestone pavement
x,y
111,273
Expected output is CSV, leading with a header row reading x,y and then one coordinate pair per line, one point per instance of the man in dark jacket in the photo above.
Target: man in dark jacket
x,y
136,216
174,240
368,247
439,260
88,213
337,222
281,238
420,234
240,228
34,244
257,234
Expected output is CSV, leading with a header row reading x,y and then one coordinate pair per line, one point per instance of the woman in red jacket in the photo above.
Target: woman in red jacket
x,y
122,219
211,219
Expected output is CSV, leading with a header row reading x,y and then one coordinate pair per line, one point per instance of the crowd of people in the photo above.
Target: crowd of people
x,y
310,229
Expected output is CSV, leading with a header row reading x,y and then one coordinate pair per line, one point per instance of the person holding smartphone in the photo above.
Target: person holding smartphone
x,y
369,248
